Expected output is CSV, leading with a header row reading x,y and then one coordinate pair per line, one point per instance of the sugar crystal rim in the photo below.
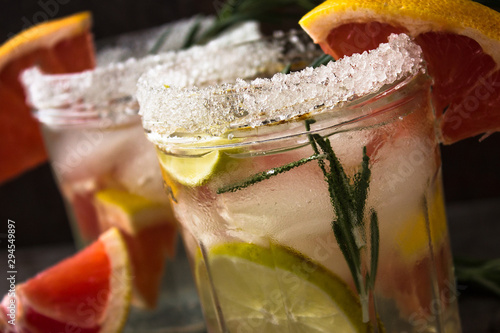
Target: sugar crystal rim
x,y
118,80
170,112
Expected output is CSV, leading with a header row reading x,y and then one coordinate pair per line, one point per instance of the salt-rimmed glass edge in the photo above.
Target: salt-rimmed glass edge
x,y
347,116
163,138
77,110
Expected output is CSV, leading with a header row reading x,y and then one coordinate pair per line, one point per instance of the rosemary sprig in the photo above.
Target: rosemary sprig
x,y
374,241
348,200
232,12
191,36
267,174
482,273
160,41
287,69
322,60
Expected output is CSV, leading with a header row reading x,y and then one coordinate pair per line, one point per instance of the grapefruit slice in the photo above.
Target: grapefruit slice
x,y
461,44
58,46
88,292
150,234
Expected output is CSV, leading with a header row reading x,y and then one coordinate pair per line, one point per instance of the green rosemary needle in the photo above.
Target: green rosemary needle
x,y
267,174
348,198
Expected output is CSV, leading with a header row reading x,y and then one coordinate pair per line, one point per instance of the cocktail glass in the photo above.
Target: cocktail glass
x,y
311,202
109,175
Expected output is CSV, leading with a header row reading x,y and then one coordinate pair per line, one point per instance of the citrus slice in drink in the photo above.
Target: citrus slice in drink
x,y
58,46
150,233
461,44
191,171
198,169
276,290
88,292
412,236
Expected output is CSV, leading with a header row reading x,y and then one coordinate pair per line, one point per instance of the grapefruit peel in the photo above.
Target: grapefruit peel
x,y
58,46
40,300
460,40
44,35
416,16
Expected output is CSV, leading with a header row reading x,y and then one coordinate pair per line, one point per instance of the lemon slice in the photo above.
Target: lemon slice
x,y
276,290
129,212
412,237
150,235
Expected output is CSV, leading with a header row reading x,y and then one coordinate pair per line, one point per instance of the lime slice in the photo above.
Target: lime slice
x,y
196,170
275,290
129,212
190,171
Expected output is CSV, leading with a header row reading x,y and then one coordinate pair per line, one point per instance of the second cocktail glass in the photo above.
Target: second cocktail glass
x,y
109,174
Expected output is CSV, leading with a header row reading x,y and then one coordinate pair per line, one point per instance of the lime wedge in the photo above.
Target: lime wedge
x,y
275,290
129,212
190,171
196,170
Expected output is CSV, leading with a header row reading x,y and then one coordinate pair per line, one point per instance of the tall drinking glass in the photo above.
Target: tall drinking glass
x,y
312,201
109,174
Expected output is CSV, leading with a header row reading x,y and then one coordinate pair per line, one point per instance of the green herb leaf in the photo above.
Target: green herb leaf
x,y
482,273
161,40
193,31
361,184
233,12
287,68
374,243
267,174
348,200
343,242
349,203
321,60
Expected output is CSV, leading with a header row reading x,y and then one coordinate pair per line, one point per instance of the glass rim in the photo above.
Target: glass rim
x,y
362,112
56,98
116,72
172,114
